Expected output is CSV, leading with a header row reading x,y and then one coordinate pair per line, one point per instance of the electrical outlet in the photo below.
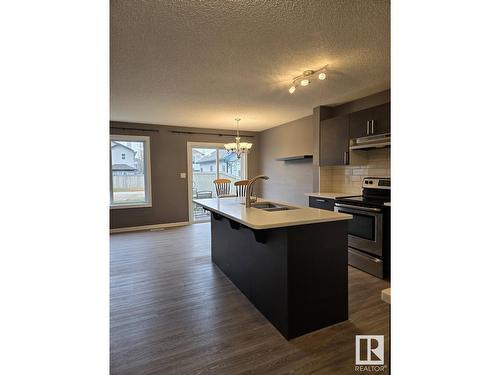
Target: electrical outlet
x,y
183,175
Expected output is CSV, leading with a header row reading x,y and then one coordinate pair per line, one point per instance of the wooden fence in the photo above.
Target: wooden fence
x,y
204,181
128,183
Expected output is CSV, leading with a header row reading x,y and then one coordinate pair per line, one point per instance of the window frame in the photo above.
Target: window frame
x,y
147,171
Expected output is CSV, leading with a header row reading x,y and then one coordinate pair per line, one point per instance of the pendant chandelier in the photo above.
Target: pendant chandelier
x,y
238,147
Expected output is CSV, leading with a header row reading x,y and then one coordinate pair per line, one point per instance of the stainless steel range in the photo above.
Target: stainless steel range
x,y
369,230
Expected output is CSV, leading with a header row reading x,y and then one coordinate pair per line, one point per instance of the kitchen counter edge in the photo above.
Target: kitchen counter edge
x,y
259,216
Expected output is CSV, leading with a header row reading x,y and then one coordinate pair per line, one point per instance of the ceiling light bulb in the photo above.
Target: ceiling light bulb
x,y
322,76
304,82
291,90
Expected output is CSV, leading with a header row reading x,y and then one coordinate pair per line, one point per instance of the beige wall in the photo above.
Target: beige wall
x,y
348,179
289,181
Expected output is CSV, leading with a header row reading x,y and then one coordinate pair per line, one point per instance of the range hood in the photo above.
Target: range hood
x,y
370,142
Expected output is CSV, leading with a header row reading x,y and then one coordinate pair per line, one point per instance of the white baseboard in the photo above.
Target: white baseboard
x,y
149,227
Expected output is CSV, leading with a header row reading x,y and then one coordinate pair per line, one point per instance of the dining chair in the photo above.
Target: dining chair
x,y
222,186
241,188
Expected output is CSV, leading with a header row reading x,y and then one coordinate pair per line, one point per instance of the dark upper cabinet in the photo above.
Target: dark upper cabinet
x,y
371,121
334,141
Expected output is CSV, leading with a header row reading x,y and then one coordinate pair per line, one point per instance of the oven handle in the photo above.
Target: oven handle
x,y
368,209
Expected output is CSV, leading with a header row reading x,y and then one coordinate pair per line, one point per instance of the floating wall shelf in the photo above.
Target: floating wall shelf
x,y
297,157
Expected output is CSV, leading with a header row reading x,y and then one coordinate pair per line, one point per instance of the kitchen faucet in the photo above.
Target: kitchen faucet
x,y
249,200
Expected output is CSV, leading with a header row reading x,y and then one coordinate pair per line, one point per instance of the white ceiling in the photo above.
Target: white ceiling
x,y
203,63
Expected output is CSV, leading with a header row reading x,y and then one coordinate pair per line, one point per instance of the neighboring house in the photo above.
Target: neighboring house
x,y
207,162
123,159
229,163
197,155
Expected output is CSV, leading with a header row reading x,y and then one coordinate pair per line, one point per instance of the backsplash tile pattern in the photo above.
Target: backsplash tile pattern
x,y
348,179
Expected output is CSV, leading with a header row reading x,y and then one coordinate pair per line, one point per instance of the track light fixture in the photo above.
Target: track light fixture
x,y
305,78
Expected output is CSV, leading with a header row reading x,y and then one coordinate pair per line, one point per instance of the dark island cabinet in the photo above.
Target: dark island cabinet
x,y
295,276
334,141
371,121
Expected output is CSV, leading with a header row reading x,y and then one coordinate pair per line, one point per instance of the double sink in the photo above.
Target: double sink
x,y
271,207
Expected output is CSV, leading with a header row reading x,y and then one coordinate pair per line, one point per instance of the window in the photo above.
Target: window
x,y
130,180
208,162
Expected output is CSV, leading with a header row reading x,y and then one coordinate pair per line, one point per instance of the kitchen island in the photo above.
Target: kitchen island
x,y
290,263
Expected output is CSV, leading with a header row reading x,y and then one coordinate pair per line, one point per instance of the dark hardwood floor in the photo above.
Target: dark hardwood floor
x,y
174,312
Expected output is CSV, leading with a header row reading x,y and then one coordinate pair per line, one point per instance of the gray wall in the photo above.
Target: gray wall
x,y
288,180
168,160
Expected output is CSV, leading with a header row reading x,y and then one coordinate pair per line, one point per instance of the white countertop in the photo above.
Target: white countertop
x,y
260,219
386,295
330,195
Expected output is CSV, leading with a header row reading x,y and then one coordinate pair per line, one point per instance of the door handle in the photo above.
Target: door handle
x,y
346,157
320,200
367,127
367,209
373,126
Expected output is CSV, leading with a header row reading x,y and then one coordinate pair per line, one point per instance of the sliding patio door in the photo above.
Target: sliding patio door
x,y
208,162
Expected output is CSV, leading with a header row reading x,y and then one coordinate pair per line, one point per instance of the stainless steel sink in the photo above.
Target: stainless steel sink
x,y
263,205
269,206
283,208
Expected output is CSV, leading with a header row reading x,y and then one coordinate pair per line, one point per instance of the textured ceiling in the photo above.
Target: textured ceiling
x,y
202,63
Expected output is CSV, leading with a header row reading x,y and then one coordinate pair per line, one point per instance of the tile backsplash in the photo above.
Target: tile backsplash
x,y
348,178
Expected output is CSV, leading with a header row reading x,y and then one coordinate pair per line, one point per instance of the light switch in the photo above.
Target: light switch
x,y
183,175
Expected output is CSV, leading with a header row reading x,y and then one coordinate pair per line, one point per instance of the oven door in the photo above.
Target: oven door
x,y
365,229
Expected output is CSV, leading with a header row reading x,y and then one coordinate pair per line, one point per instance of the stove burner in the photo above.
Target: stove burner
x,y
376,192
